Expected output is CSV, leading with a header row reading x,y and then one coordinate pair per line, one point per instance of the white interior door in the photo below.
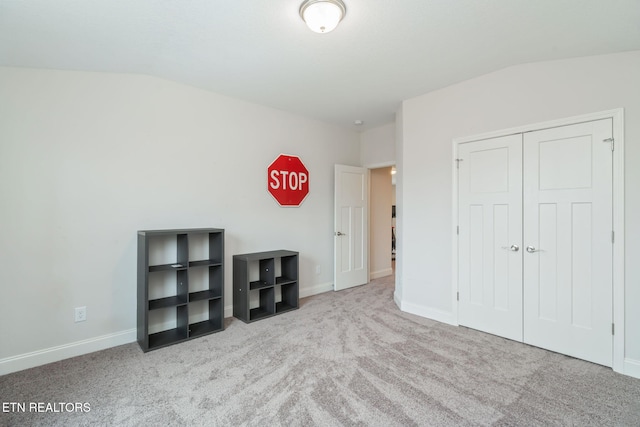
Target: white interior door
x,y
351,227
490,235
568,240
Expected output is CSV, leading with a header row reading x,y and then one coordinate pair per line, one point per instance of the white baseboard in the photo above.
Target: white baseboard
x,y
78,348
228,311
632,368
307,291
429,313
61,352
397,299
381,273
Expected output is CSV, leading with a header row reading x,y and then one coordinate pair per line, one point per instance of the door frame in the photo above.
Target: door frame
x,y
617,116
370,167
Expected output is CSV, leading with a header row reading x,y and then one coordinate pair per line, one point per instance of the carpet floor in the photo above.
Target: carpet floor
x,y
344,358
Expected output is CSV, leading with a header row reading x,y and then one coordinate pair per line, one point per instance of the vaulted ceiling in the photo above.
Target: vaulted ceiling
x,y
261,51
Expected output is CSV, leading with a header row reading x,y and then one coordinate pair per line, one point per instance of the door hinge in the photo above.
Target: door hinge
x,y
457,229
457,296
613,236
458,163
612,141
613,329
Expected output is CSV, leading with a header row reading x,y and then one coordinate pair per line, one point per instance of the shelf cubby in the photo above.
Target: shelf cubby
x,y
165,338
289,297
167,325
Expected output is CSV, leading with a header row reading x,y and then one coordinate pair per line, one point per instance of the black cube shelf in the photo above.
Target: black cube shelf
x,y
257,291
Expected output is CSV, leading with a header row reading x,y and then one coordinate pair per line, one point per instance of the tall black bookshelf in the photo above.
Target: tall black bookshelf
x,y
180,285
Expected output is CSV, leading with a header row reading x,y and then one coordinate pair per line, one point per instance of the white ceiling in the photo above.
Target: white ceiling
x,y
384,51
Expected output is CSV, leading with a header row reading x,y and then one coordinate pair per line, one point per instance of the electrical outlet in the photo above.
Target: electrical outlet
x,y
317,269
81,314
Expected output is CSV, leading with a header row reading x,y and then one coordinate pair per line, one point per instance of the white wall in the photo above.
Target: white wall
x,y
87,159
380,202
378,146
512,97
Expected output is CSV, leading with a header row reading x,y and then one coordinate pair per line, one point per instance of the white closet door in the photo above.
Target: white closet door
x,y
490,236
567,238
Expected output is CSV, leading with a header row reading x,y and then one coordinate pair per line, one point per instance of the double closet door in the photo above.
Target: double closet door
x,y
535,238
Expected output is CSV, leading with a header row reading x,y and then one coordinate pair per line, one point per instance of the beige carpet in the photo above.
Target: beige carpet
x,y
346,358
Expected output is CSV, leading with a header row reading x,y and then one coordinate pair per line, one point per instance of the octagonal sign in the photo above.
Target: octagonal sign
x,y
288,180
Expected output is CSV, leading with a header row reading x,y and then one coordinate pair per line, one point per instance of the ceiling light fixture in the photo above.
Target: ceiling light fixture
x,y
322,16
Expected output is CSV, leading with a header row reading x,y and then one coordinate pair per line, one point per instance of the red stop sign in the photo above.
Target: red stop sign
x,y
288,180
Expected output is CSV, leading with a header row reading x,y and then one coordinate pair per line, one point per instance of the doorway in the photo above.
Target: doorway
x,y
382,221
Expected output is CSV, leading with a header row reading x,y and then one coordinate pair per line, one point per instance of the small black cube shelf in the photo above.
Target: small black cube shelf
x,y
264,284
180,285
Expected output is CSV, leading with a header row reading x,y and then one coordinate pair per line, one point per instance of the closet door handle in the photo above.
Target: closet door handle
x,y
514,248
532,249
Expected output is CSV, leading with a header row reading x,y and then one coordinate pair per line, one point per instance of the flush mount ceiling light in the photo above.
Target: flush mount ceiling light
x,y
322,16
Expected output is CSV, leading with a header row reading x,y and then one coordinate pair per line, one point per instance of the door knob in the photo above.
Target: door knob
x,y
532,249
339,233
514,248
